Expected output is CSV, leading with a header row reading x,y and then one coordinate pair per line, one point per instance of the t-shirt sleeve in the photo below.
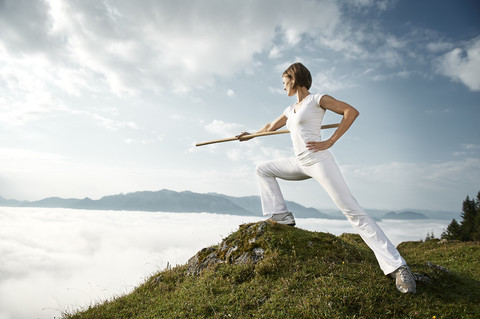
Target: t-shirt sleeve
x,y
317,97
287,111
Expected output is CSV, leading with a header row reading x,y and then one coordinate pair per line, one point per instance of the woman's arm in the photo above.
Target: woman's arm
x,y
269,127
349,115
275,125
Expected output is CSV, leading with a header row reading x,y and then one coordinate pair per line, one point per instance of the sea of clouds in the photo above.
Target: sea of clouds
x,y
54,260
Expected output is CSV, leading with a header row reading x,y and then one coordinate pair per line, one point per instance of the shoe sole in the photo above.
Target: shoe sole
x,y
406,290
283,223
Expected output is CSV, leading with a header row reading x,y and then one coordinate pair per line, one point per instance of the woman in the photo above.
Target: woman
x,y
313,160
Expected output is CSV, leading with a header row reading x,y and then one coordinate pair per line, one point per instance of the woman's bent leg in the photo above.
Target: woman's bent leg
x,y
330,178
270,193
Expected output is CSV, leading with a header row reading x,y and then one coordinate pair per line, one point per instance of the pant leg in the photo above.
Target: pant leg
x,y
270,193
327,173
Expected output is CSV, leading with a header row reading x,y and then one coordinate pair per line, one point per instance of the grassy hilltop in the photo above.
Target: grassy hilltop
x,y
268,270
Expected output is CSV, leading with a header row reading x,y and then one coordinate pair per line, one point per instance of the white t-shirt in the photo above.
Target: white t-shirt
x,y
305,126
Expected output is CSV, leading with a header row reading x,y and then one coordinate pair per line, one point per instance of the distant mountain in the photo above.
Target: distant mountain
x,y
53,202
159,201
171,201
254,205
436,214
378,214
10,202
165,201
404,215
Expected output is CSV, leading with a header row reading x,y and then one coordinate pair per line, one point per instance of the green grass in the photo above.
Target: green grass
x,y
306,275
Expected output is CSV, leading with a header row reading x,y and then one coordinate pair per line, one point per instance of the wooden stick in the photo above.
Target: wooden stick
x,y
257,135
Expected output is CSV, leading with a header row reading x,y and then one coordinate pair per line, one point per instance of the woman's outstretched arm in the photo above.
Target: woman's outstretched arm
x,y
269,127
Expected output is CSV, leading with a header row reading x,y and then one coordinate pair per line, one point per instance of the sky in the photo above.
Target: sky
x,y
107,97
106,254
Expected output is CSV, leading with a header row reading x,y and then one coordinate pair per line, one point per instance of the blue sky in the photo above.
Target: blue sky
x,y
105,97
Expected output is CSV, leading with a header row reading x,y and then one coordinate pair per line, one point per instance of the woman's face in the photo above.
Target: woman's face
x,y
288,86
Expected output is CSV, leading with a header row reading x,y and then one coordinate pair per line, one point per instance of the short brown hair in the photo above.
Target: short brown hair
x,y
299,74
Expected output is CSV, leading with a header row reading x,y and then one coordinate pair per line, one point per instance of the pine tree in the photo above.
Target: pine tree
x,y
453,231
476,224
469,227
468,223
430,236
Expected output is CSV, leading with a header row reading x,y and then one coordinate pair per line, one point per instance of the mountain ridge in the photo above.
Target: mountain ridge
x,y
187,201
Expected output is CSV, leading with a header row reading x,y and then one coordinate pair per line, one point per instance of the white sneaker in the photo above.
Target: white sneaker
x,y
404,280
283,218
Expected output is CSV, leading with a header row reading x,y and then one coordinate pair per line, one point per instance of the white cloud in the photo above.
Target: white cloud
x,y
433,111
24,96
144,141
10,156
439,46
107,123
468,150
50,174
176,117
471,146
463,64
222,128
366,44
74,54
29,94
255,153
327,82
274,52
441,185
459,153
276,90
102,254
25,26
146,45
385,76
371,4
428,175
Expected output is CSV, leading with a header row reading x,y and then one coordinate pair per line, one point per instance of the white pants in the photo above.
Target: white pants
x,y
327,173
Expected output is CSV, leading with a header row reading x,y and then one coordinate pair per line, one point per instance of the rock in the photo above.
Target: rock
x,y
421,277
243,251
261,228
243,259
229,252
258,254
441,268
196,264
251,257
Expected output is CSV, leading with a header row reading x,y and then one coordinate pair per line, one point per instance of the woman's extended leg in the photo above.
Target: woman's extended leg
x,y
327,173
270,193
